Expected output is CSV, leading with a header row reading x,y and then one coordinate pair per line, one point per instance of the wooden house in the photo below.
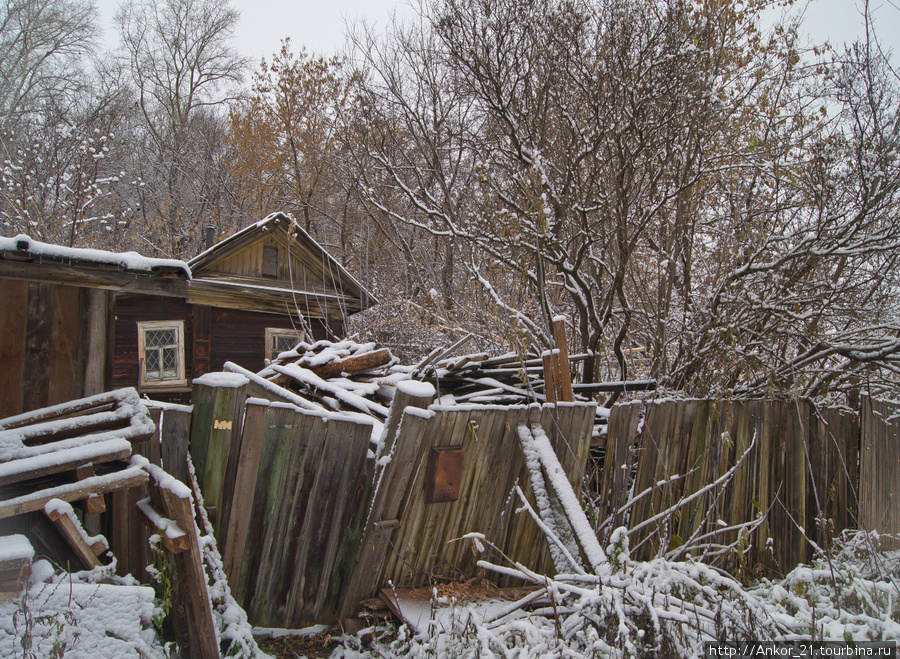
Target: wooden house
x,y
56,306
250,297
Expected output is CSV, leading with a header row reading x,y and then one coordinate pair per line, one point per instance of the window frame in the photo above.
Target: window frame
x,y
180,379
274,332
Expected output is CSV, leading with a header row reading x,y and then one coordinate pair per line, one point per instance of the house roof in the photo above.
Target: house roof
x,y
22,257
275,266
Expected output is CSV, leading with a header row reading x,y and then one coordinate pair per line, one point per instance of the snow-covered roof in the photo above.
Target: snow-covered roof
x,y
24,247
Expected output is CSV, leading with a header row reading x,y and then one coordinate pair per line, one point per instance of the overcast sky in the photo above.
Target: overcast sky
x,y
319,24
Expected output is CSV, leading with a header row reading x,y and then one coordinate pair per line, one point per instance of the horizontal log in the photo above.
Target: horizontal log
x,y
130,477
354,364
613,387
64,460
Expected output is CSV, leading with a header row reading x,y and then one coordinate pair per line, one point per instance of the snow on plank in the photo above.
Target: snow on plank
x,y
66,459
26,503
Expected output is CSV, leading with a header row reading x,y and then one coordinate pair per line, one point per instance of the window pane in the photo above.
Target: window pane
x,y
151,364
170,362
284,343
154,338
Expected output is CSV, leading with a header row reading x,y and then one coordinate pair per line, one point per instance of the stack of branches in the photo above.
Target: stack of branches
x,y
361,378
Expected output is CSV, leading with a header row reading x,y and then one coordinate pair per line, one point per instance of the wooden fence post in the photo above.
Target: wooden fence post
x,y
252,434
215,441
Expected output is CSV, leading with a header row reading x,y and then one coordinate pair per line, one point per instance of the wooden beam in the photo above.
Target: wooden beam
x,y
16,471
12,345
130,477
597,387
354,364
174,538
172,285
549,377
255,423
74,537
564,382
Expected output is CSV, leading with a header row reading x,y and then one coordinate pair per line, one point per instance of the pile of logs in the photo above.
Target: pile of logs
x,y
362,378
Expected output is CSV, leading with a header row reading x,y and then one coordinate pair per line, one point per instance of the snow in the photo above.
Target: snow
x,y
15,547
224,380
168,526
417,389
125,260
82,621
164,479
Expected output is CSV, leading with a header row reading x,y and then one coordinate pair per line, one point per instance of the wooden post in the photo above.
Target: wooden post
x,y
549,376
254,430
564,382
192,612
215,440
408,394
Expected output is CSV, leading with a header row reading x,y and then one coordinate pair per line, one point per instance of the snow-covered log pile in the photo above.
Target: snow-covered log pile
x,y
361,377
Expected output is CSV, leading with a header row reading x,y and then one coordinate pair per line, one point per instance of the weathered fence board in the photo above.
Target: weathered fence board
x,y
879,486
800,474
410,542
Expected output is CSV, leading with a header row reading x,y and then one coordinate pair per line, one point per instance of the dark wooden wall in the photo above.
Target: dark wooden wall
x,y
55,344
133,308
212,337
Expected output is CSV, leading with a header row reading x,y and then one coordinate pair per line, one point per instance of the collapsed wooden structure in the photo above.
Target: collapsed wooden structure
x,y
338,504
89,453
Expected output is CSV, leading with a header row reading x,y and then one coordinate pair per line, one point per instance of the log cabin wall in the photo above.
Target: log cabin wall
x,y
131,309
240,336
55,344
212,336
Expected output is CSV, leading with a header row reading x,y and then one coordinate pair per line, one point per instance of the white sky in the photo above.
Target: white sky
x,y
319,25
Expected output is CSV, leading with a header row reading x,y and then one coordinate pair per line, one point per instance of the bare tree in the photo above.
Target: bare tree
x,y
182,63
42,48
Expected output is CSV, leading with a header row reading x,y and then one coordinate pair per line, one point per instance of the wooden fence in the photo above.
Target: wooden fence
x,y
879,484
289,493
801,473
410,542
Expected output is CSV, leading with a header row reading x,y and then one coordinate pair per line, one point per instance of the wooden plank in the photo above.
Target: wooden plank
x,y
63,460
878,469
550,385
303,459
391,497
174,438
279,423
253,432
13,323
565,376
317,595
67,528
174,538
38,345
201,340
190,578
130,477
63,359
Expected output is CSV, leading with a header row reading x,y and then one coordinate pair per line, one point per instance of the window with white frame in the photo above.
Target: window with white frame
x,y
161,351
281,340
